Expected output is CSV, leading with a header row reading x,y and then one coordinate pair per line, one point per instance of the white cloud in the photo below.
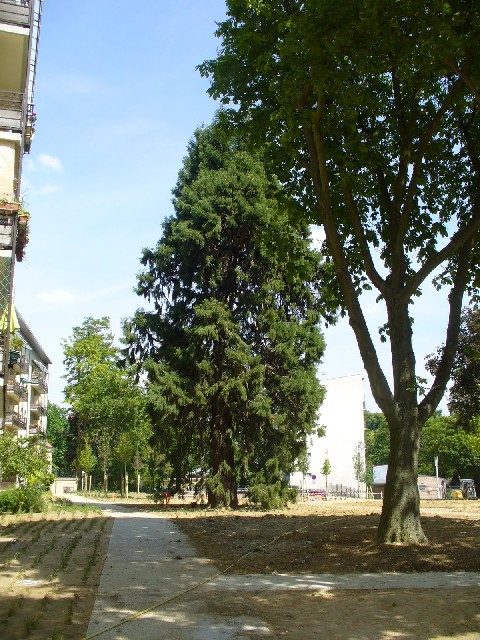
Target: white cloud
x,y
50,188
56,296
100,294
51,162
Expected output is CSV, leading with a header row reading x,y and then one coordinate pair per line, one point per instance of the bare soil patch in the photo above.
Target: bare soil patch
x,y
339,537
420,614
332,537
53,551
50,567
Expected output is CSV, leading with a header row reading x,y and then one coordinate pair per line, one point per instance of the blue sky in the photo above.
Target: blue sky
x,y
117,99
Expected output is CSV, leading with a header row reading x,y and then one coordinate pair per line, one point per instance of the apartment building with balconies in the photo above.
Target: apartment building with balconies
x,y
26,384
19,33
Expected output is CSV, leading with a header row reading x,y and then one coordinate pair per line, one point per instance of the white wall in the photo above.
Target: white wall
x,y
342,415
7,168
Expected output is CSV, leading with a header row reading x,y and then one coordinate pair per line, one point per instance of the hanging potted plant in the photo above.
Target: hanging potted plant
x,y
22,233
16,343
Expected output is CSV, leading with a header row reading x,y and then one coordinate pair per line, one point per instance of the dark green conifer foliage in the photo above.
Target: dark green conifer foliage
x,y
232,341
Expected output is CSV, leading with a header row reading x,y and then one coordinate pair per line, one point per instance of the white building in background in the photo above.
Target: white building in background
x,y
341,415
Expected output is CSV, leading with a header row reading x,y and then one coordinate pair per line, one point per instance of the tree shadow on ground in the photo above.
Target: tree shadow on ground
x,y
328,544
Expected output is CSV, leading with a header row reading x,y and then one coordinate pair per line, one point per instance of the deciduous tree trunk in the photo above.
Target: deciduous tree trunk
x,y
400,519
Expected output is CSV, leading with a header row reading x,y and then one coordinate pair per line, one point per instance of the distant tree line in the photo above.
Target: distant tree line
x,y
454,438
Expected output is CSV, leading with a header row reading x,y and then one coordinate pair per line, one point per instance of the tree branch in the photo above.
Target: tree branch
x,y
412,186
465,77
405,148
380,388
442,376
359,231
458,240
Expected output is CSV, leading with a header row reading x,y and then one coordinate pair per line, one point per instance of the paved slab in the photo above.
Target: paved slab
x,y
329,582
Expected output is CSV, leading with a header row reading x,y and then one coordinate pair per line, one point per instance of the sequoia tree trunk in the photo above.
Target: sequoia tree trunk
x,y
222,491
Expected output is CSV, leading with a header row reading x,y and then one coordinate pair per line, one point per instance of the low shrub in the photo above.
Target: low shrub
x,y
23,499
274,496
158,497
269,487
47,481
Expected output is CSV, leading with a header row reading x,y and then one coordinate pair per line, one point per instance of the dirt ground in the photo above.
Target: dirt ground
x,y
333,537
339,537
50,566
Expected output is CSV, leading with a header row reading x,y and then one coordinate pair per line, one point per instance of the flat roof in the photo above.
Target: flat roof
x,y
31,339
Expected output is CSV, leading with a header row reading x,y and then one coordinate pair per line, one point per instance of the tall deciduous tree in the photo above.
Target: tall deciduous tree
x,y
370,110
233,338
62,437
377,438
458,450
105,399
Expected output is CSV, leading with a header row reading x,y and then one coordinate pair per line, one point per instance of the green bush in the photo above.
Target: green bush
x,y
269,487
47,481
274,496
23,499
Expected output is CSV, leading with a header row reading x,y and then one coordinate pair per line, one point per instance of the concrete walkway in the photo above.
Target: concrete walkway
x,y
150,562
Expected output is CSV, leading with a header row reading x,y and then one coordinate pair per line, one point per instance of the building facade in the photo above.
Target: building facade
x,y
27,384
19,33
341,418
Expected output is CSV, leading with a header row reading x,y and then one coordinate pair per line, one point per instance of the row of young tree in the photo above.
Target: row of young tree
x,y
133,464
106,428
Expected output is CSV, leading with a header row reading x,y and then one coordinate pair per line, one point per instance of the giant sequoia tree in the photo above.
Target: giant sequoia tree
x,y
370,112
231,342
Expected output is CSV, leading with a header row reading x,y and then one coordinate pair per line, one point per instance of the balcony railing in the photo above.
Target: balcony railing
x,y
15,12
16,109
36,430
16,389
40,382
29,128
11,110
13,418
38,408
16,360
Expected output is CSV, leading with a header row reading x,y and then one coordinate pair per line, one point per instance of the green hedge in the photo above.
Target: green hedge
x,y
23,499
